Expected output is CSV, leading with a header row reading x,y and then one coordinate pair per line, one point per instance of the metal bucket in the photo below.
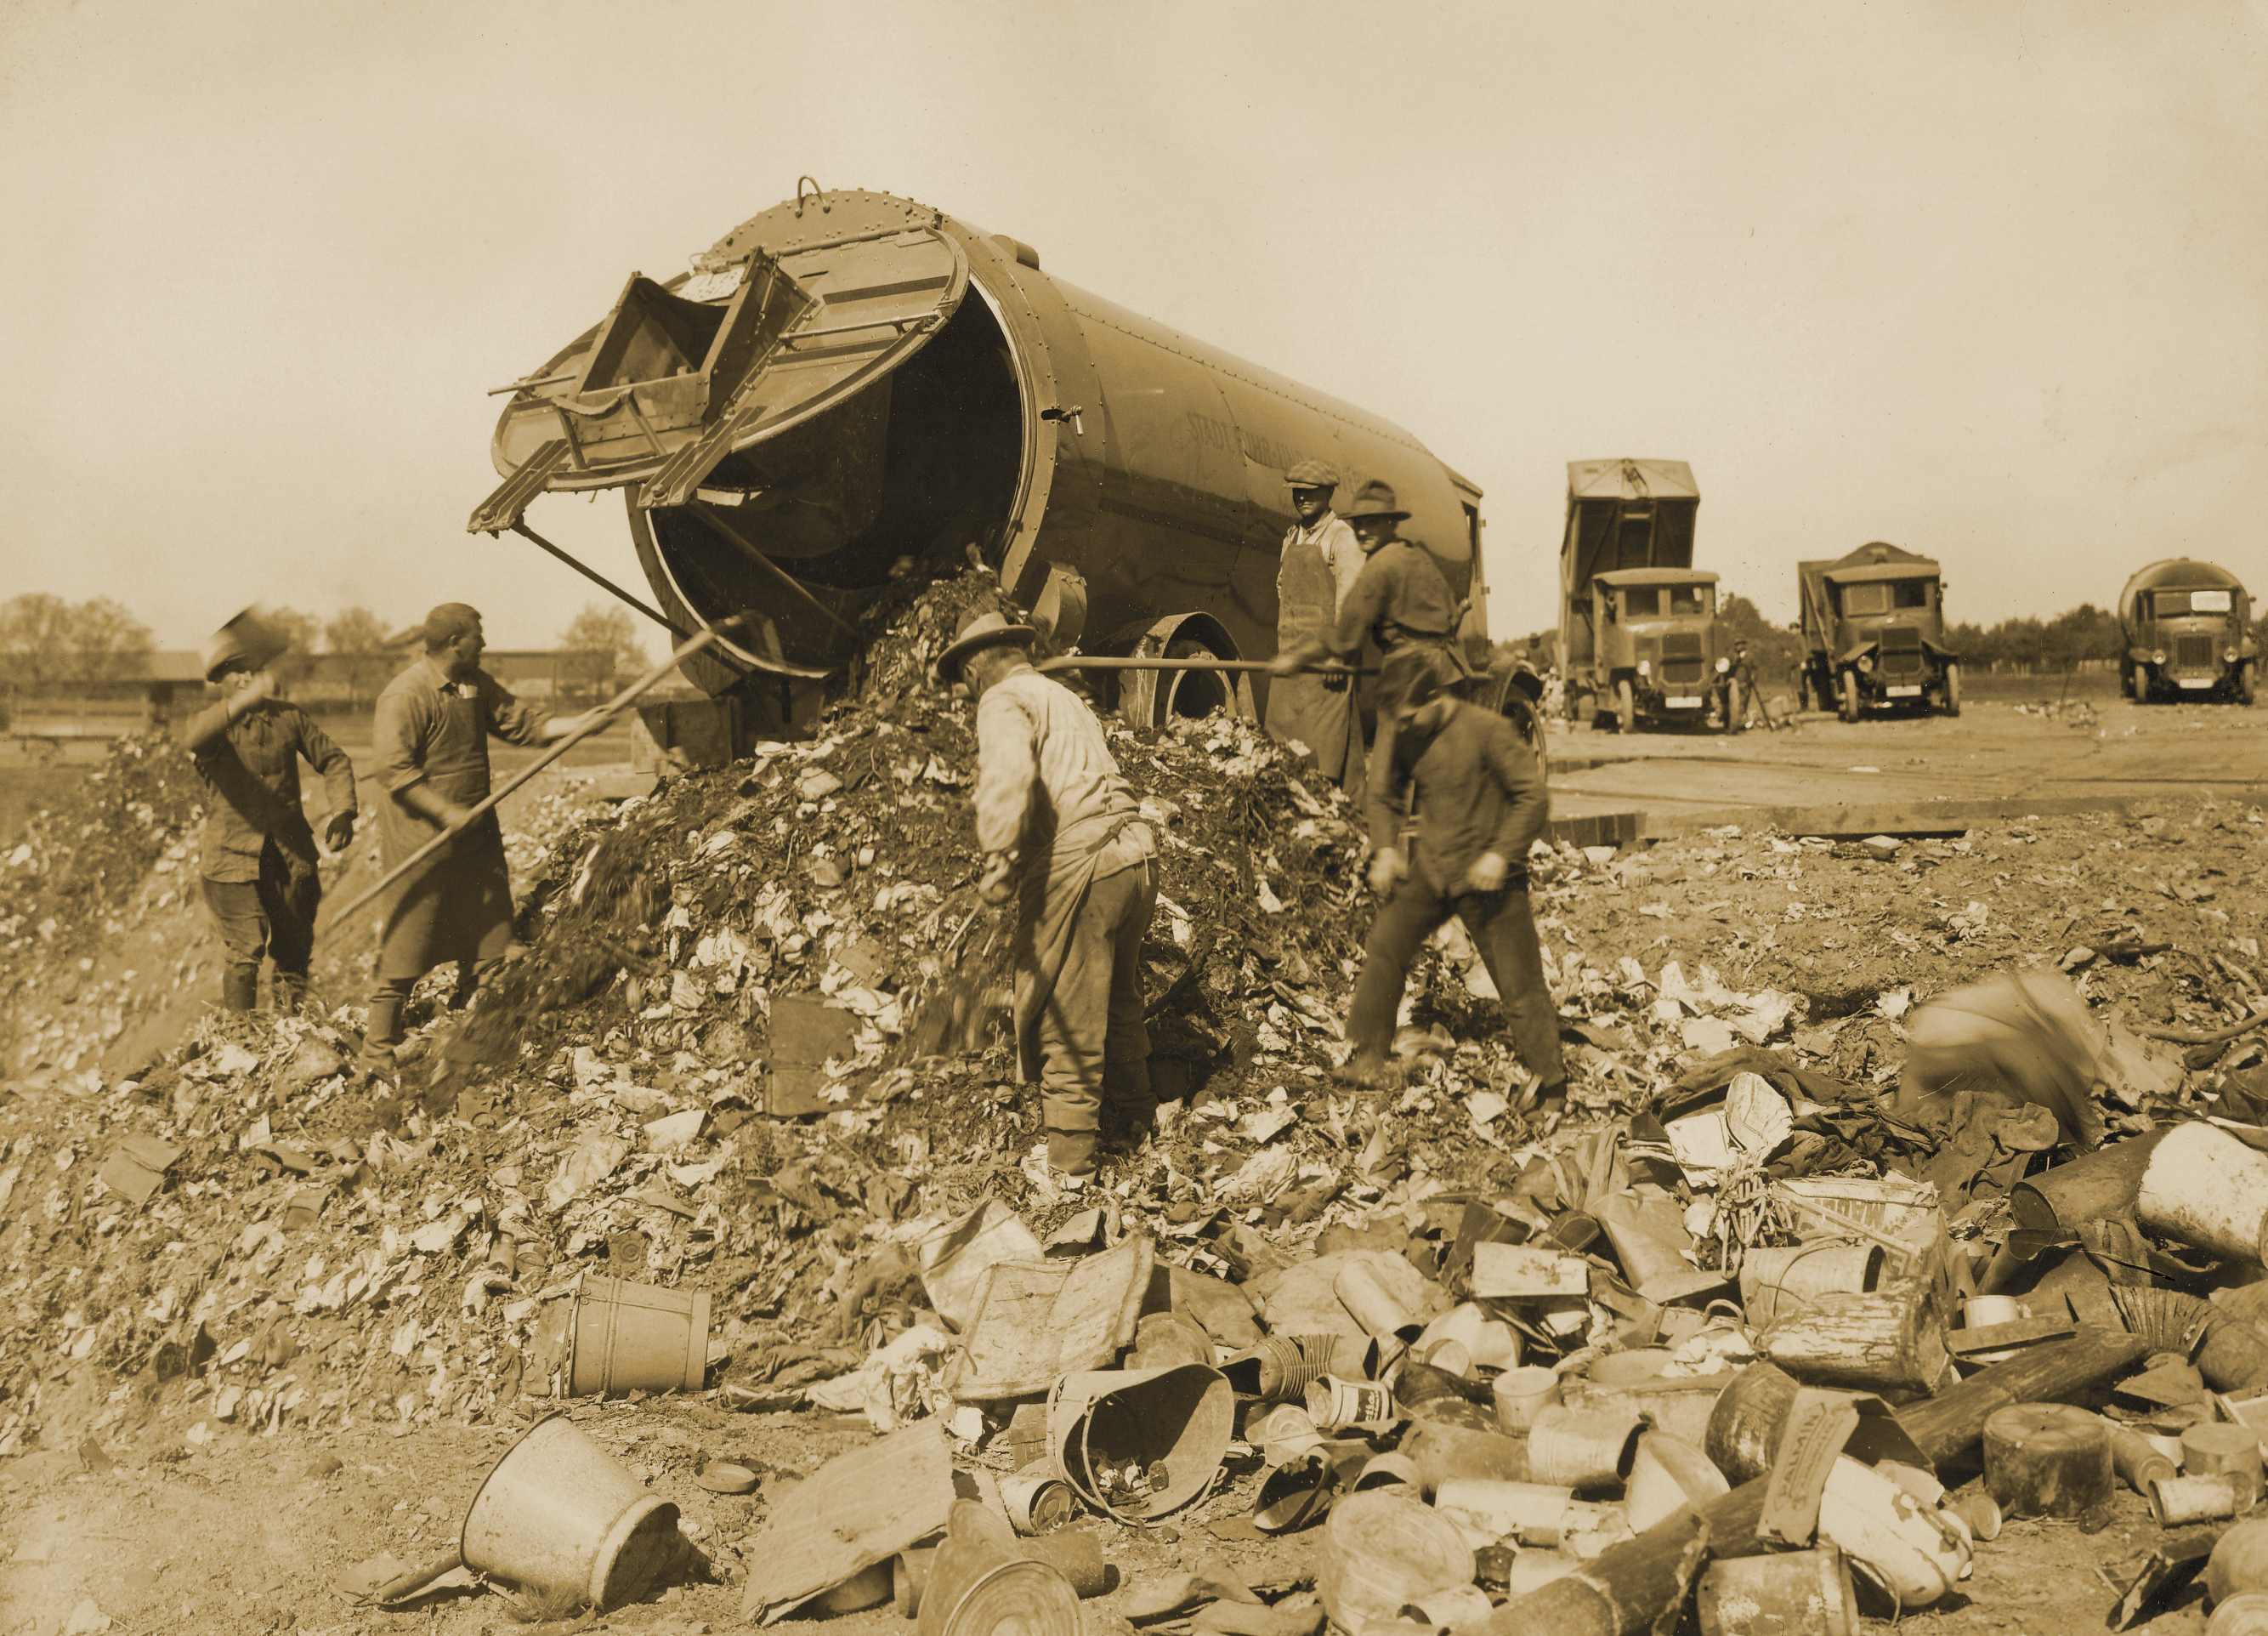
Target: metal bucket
x,y
561,1519
1775,1283
1795,1592
1579,1448
979,1584
1103,1420
1382,1552
2244,1614
1668,1475
637,1337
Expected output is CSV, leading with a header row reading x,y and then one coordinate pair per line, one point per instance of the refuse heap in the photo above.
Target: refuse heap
x,y
1496,1365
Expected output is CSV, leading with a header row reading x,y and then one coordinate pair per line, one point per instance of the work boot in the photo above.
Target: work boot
x,y
383,1033
1361,1073
239,988
291,992
1073,1152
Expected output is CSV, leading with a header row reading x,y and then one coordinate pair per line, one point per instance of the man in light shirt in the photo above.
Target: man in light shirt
x,y
1062,832
1319,563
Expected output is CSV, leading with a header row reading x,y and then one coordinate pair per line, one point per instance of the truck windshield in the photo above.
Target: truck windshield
x,y
1880,596
2169,603
1642,603
1688,599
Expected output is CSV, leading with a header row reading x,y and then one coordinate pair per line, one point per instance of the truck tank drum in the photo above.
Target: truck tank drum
x,y
2175,573
851,386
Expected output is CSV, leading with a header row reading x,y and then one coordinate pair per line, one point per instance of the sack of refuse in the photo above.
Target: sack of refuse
x,y
2027,1034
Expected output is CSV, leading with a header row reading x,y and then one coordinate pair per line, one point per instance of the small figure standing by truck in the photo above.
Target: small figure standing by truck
x,y
1873,634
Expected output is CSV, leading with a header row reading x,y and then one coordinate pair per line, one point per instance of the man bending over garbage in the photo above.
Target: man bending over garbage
x,y
1481,801
1061,832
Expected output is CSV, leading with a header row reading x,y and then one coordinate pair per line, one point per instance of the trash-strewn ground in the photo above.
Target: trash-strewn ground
x,y
301,1349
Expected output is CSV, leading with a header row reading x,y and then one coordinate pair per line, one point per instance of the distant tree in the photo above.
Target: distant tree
x,y
354,630
45,639
602,644
35,638
107,642
301,632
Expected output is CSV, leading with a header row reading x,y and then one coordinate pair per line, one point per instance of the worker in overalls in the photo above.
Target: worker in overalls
x,y
1062,832
1401,598
1320,561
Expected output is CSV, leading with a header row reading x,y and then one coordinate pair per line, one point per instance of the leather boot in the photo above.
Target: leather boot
x,y
1073,1152
239,988
385,1030
291,992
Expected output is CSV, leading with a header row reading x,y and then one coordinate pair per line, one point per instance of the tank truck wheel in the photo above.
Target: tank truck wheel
x,y
1953,689
2126,681
2246,690
1850,710
1625,706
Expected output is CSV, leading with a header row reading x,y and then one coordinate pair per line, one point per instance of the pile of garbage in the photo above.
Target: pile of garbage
x,y
743,1123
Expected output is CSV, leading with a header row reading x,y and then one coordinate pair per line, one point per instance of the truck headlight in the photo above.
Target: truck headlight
x,y
2229,654
2158,658
1865,663
1724,665
1645,667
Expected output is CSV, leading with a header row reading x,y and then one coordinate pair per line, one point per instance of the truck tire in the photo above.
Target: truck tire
x,y
2245,688
2126,681
1625,705
1734,704
1850,708
1953,689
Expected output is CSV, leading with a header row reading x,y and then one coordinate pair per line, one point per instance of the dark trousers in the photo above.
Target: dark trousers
x,y
387,999
1094,1047
271,917
1502,927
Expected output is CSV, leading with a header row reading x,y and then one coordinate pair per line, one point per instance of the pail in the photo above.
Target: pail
x,y
1390,1470
1522,1394
2245,1614
870,1588
559,1517
1667,1473
1382,1552
1334,1404
1895,1541
1443,1449
1679,1404
1077,1553
1778,1282
978,1585
1582,1449
1170,1423
1794,1593
637,1337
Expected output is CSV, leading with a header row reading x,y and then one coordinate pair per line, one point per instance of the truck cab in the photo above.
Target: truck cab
x,y
1654,638
1874,624
2188,632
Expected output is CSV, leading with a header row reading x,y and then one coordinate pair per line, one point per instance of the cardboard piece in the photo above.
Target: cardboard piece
x,y
855,1511
136,1168
1821,1427
805,1031
1035,1321
955,1257
1521,1272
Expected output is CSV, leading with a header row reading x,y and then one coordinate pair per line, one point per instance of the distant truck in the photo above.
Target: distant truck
x,y
2188,628
1638,623
1873,632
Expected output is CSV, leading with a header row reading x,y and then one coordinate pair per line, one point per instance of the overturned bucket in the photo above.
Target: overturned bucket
x,y
1139,1443
1794,1593
560,1519
637,1337
1778,1282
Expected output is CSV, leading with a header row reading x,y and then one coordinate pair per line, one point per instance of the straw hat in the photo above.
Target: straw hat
x,y
1311,474
981,631
1374,499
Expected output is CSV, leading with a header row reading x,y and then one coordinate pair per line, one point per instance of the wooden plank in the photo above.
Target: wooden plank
x,y
2016,1332
858,1509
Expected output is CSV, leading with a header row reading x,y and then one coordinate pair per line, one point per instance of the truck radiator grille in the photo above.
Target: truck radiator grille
x,y
1682,672
1901,651
2193,654
1681,644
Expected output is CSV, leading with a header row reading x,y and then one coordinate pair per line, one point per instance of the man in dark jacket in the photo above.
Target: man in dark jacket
x,y
258,850
1480,802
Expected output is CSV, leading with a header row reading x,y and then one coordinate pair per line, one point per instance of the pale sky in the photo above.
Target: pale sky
x,y
1987,279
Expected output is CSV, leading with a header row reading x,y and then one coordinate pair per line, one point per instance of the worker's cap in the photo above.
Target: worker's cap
x,y
248,640
448,621
1311,474
989,629
1374,499
1414,675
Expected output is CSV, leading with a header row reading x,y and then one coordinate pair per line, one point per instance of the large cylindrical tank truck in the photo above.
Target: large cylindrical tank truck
x,y
851,386
2188,632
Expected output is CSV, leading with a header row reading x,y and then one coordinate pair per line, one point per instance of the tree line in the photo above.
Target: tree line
x,y
47,642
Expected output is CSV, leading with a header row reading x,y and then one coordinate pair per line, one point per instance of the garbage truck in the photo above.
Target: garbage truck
x,y
1638,637
1873,634
852,387
2188,632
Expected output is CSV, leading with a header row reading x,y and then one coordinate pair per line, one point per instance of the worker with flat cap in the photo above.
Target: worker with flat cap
x,y
1061,833
1401,598
429,738
1480,802
258,855
1319,562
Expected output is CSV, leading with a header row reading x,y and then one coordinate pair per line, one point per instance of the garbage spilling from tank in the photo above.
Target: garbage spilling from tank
x,y
1907,1187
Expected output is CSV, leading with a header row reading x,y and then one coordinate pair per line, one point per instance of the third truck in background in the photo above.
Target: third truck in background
x,y
1873,634
2187,633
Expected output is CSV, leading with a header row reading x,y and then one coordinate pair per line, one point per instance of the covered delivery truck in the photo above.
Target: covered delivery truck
x,y
1873,634
2188,630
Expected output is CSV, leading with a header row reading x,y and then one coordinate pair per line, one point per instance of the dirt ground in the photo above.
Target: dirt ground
x,y
170,1522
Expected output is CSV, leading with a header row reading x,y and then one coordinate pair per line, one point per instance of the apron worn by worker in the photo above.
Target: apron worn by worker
x,y
457,905
1080,855
1301,707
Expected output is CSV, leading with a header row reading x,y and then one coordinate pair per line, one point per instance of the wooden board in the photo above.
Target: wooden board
x,y
1038,1321
805,1031
855,1511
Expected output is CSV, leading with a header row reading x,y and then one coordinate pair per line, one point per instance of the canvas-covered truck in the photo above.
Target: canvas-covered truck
x,y
1873,634
1638,622
2188,630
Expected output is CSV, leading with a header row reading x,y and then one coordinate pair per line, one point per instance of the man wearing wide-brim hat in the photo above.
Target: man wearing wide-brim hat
x,y
1320,561
1063,835
1399,598
1481,802
258,857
